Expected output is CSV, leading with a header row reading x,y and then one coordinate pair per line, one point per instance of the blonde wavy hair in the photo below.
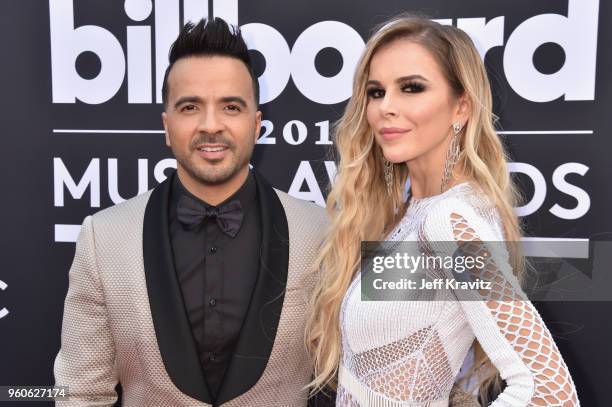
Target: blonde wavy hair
x,y
359,206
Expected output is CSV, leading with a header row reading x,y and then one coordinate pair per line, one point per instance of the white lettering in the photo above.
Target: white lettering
x,y
227,10
62,177
272,45
584,201
290,136
308,80
576,34
67,43
539,185
113,188
485,35
139,64
305,173
194,11
167,26
3,312
138,10
160,167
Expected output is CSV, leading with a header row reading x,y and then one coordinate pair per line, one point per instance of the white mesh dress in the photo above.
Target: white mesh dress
x,y
408,353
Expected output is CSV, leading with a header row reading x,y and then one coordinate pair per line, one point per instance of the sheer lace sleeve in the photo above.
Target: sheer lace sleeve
x,y
506,324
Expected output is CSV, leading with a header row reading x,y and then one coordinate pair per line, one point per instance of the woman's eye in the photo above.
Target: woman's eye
x,y
413,88
375,93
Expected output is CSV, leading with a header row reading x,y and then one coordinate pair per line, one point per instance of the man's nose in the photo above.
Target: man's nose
x,y
210,122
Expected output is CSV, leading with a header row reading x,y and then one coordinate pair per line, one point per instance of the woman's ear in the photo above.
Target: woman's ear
x,y
463,110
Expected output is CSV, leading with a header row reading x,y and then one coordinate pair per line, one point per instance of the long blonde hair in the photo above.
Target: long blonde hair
x,y
359,206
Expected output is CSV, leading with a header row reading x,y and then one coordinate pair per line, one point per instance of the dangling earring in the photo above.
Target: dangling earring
x,y
456,127
388,171
452,156
388,175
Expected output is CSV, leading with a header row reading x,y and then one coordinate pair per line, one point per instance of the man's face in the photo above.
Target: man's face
x,y
211,119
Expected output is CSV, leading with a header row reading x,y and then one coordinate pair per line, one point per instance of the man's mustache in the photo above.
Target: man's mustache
x,y
206,138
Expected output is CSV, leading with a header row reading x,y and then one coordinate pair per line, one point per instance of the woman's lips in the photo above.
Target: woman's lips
x,y
392,133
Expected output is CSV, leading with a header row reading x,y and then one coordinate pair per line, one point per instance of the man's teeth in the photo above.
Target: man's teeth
x,y
212,149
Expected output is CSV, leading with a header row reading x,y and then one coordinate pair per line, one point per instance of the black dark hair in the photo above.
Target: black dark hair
x,y
210,38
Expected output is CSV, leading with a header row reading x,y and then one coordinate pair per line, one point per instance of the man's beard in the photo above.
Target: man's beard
x,y
216,174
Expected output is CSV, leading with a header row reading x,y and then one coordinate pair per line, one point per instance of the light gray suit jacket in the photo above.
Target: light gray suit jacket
x,y
124,319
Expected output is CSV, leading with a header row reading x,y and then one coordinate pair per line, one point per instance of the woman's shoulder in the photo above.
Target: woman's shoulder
x,y
464,206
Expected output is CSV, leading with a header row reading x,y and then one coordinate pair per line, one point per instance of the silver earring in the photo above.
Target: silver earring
x,y
452,156
388,175
457,127
388,172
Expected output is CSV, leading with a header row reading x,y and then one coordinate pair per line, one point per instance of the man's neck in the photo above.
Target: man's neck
x,y
213,194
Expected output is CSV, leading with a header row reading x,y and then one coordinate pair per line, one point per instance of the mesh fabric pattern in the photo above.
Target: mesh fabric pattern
x,y
408,353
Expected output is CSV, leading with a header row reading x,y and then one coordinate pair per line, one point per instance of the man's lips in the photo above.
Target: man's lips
x,y
392,133
212,151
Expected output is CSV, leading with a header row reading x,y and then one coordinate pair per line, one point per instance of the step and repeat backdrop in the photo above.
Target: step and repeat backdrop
x,y
81,123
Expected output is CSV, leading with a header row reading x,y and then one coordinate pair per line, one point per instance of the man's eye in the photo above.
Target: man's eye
x,y
233,108
188,108
375,93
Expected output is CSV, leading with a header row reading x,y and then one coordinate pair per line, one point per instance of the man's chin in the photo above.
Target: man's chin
x,y
214,176
211,174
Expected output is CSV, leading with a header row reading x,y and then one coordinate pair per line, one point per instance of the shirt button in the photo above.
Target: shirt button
x,y
212,302
212,357
213,249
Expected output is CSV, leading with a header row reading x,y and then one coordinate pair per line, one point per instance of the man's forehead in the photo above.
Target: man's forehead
x,y
213,73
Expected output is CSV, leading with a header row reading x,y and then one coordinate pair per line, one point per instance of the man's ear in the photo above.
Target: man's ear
x,y
257,125
164,121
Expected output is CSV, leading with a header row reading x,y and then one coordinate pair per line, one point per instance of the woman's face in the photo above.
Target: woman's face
x,y
411,106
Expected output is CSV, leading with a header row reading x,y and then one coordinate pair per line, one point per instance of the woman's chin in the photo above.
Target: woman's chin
x,y
399,158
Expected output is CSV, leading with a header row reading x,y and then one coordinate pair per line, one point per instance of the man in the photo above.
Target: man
x,y
195,293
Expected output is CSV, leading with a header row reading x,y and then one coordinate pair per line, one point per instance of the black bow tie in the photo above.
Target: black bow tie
x,y
191,213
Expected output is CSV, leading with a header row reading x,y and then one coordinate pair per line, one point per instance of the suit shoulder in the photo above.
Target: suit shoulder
x,y
299,207
124,211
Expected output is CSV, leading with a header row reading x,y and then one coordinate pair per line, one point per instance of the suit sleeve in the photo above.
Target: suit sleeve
x,y
86,360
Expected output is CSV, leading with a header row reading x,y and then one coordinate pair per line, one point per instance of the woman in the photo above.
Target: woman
x,y
421,108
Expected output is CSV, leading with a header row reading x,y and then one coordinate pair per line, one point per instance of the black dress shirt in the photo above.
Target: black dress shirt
x,y
217,275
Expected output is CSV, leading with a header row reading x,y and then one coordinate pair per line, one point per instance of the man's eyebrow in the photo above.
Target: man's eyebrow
x,y
196,99
234,99
187,99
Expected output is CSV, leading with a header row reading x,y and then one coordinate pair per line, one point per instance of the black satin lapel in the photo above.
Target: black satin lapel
x,y
261,322
176,344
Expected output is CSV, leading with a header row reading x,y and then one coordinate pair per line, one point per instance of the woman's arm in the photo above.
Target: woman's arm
x,y
506,324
